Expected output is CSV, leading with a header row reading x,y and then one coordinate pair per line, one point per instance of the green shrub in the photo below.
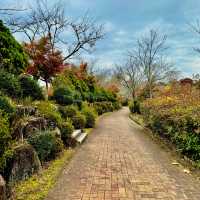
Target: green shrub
x,y
9,84
134,107
68,111
103,107
116,105
46,144
63,96
6,105
13,58
177,122
5,140
79,121
49,111
31,88
90,116
98,108
66,129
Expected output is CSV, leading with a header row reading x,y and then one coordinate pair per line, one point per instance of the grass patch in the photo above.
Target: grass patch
x,y
38,186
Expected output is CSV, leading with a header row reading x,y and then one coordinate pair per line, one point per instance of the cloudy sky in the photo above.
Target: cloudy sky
x,y
126,20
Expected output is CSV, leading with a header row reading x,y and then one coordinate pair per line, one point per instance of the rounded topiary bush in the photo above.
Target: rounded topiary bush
x,y
79,121
46,144
6,105
31,88
63,96
68,111
90,116
9,84
66,129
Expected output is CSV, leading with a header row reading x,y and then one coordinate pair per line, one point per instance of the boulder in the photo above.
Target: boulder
x,y
24,163
27,126
2,189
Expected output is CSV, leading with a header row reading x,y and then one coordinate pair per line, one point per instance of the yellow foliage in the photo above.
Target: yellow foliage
x,y
38,186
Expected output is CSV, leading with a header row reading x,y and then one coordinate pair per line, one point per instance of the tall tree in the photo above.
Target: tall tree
x,y
149,53
44,63
49,20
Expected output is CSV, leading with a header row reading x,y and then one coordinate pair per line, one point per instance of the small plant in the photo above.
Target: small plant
x,y
79,121
46,144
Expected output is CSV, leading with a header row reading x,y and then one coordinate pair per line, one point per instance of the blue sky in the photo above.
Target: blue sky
x,y
126,20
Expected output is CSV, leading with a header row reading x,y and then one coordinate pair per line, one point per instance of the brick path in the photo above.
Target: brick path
x,y
120,162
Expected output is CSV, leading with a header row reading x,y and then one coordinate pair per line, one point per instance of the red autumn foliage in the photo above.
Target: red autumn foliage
x,y
45,62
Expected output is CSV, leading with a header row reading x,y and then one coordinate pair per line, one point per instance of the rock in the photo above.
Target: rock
x,y
2,189
27,126
25,162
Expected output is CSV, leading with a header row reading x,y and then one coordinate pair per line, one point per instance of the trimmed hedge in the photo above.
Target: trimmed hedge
x,y
68,111
177,122
66,129
79,121
106,106
90,116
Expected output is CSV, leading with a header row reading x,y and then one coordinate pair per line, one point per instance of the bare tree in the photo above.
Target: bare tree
x,y
50,21
149,54
195,27
130,76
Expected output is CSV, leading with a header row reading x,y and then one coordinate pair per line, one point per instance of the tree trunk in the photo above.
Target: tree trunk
x,y
47,89
150,92
133,94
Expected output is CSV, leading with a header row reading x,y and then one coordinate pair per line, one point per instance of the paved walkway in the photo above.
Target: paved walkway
x,y
120,162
